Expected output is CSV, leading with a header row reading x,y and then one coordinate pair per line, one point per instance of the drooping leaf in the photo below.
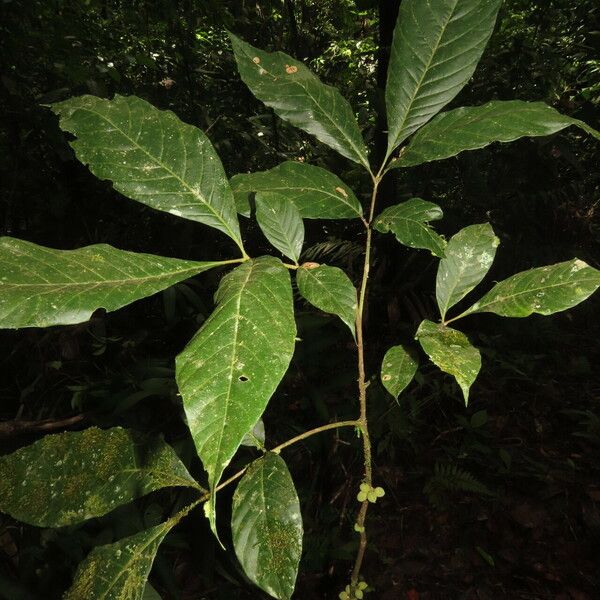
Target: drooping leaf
x,y
281,223
296,95
451,351
316,193
330,290
398,369
119,571
435,50
230,369
470,128
409,222
545,290
152,157
469,256
40,287
66,478
266,524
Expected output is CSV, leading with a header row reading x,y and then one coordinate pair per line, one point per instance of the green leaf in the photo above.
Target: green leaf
x,y
230,369
120,571
266,524
152,157
330,290
545,290
435,50
281,223
409,222
470,128
40,287
150,593
66,478
256,437
469,256
316,193
296,95
398,369
451,351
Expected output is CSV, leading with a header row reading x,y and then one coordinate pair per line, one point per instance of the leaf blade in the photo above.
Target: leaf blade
x,y
267,526
398,368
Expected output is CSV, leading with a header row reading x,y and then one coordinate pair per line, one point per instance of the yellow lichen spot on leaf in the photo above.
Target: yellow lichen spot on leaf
x,y
291,69
310,265
256,60
341,191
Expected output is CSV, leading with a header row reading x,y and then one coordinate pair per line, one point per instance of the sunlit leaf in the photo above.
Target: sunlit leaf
x,y
330,290
545,290
398,369
435,50
281,223
40,287
267,526
152,157
470,128
469,256
296,95
409,222
452,352
66,478
230,369
316,193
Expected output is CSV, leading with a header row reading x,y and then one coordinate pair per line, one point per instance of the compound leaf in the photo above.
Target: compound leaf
x,y
470,128
330,290
296,95
544,290
66,478
398,369
230,369
152,157
40,287
281,223
409,222
317,193
469,256
435,50
451,351
266,524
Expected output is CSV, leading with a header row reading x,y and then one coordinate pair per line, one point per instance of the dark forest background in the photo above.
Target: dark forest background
x,y
499,500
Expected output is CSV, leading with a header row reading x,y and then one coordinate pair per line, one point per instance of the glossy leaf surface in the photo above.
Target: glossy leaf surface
x,y
451,351
409,222
469,256
40,287
281,223
398,369
230,369
436,47
152,157
316,192
266,524
470,128
69,477
330,290
545,290
296,95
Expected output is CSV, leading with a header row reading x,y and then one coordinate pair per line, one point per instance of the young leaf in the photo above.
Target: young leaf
x,y
40,287
398,369
152,157
451,351
66,478
470,128
330,290
435,50
409,222
281,223
545,290
230,369
267,526
296,95
316,193
469,256
119,571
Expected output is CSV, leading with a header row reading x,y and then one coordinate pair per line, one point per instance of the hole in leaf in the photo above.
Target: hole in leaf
x,y
242,378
